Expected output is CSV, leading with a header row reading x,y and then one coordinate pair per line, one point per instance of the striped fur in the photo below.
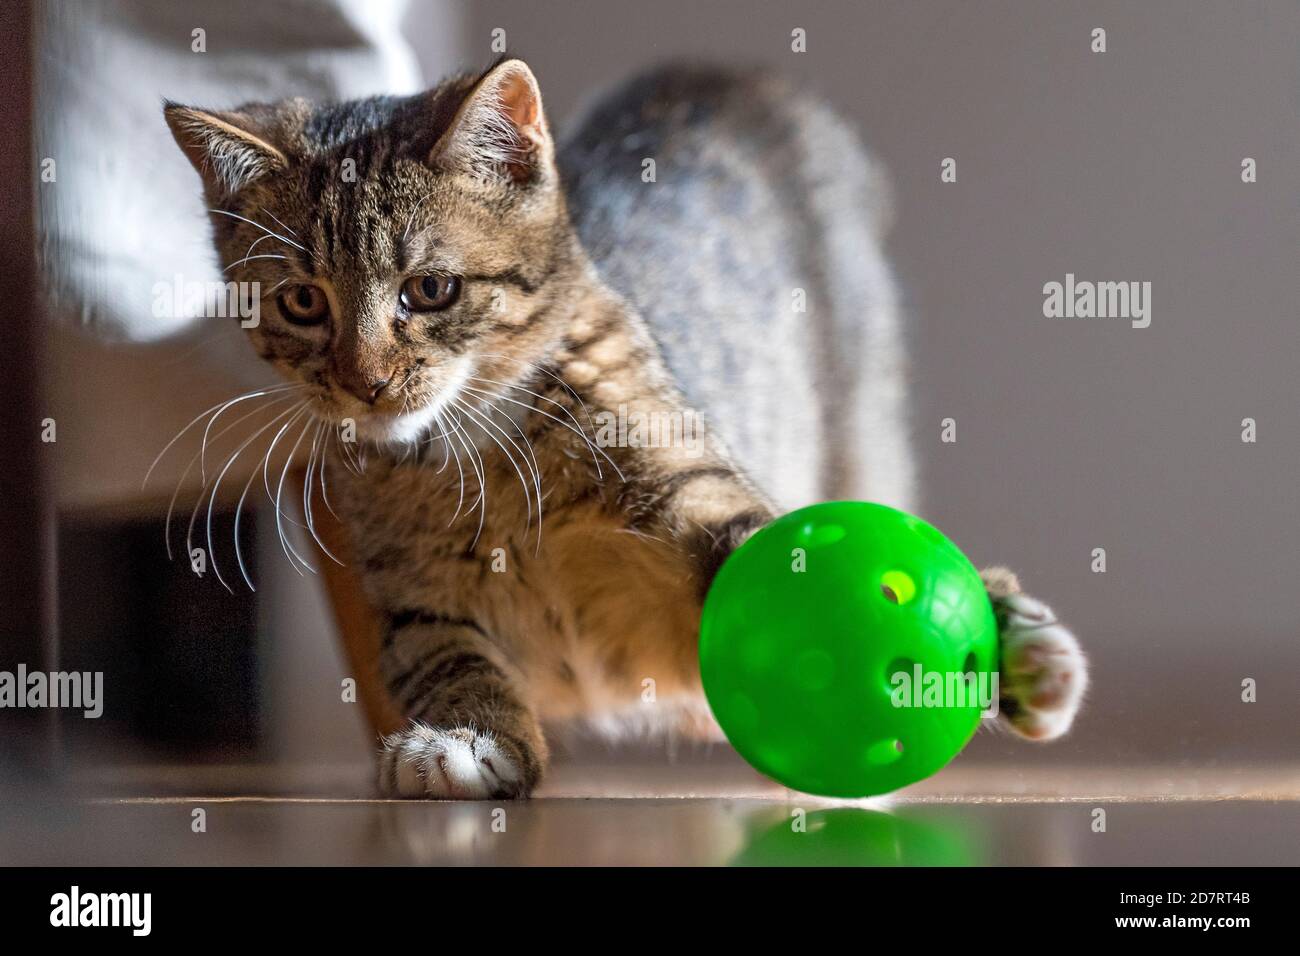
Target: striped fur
x,y
665,299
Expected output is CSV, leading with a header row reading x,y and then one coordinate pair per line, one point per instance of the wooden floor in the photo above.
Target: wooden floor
x,y
691,815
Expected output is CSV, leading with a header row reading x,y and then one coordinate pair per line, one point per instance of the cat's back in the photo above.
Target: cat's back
x,y
715,142
744,219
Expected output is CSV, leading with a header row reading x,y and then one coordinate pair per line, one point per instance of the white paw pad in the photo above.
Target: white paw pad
x,y
1043,672
456,763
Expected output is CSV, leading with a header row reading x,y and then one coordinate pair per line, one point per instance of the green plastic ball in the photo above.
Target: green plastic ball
x,y
848,649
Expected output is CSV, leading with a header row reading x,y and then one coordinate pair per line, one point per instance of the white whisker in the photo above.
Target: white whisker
x,y
446,444
346,451
482,420
180,482
232,215
307,493
595,449
199,417
460,471
563,384
254,244
410,219
279,223
266,459
550,401
239,507
216,485
203,447
330,437
251,258
476,462
289,550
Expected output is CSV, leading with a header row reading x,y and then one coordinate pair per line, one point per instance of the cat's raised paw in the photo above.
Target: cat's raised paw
x,y
1043,671
453,763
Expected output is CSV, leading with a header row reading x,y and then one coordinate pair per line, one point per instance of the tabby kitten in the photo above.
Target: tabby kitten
x,y
431,276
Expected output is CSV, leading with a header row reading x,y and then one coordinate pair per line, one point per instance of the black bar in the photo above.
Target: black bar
x,y
981,906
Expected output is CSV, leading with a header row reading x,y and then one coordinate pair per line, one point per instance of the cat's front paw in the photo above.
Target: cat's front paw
x,y
450,763
1043,671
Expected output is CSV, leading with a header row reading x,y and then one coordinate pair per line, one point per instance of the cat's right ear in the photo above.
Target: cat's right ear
x,y
227,154
500,131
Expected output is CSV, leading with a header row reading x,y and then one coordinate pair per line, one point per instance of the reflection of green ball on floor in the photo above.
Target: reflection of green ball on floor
x,y
847,649
852,836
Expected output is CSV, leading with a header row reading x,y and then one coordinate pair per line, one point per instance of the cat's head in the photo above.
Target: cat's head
x,y
398,246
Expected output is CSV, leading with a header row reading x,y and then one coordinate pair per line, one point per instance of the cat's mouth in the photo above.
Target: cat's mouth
x,y
424,397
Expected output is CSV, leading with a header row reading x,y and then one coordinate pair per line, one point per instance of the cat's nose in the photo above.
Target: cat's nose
x,y
368,388
369,392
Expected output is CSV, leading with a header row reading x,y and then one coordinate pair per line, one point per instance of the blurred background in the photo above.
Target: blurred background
x,y
1072,435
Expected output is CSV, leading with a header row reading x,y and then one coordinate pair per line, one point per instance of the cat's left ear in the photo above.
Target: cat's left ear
x,y
223,147
500,131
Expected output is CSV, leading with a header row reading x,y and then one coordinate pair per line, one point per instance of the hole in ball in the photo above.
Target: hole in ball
x,y
972,664
897,587
884,752
899,665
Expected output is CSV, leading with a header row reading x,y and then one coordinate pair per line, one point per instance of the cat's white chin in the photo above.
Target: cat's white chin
x,y
404,429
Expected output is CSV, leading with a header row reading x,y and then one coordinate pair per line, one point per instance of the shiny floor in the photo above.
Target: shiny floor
x,y
615,815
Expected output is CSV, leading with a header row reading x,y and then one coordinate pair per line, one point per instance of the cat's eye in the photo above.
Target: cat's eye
x,y
430,293
304,305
